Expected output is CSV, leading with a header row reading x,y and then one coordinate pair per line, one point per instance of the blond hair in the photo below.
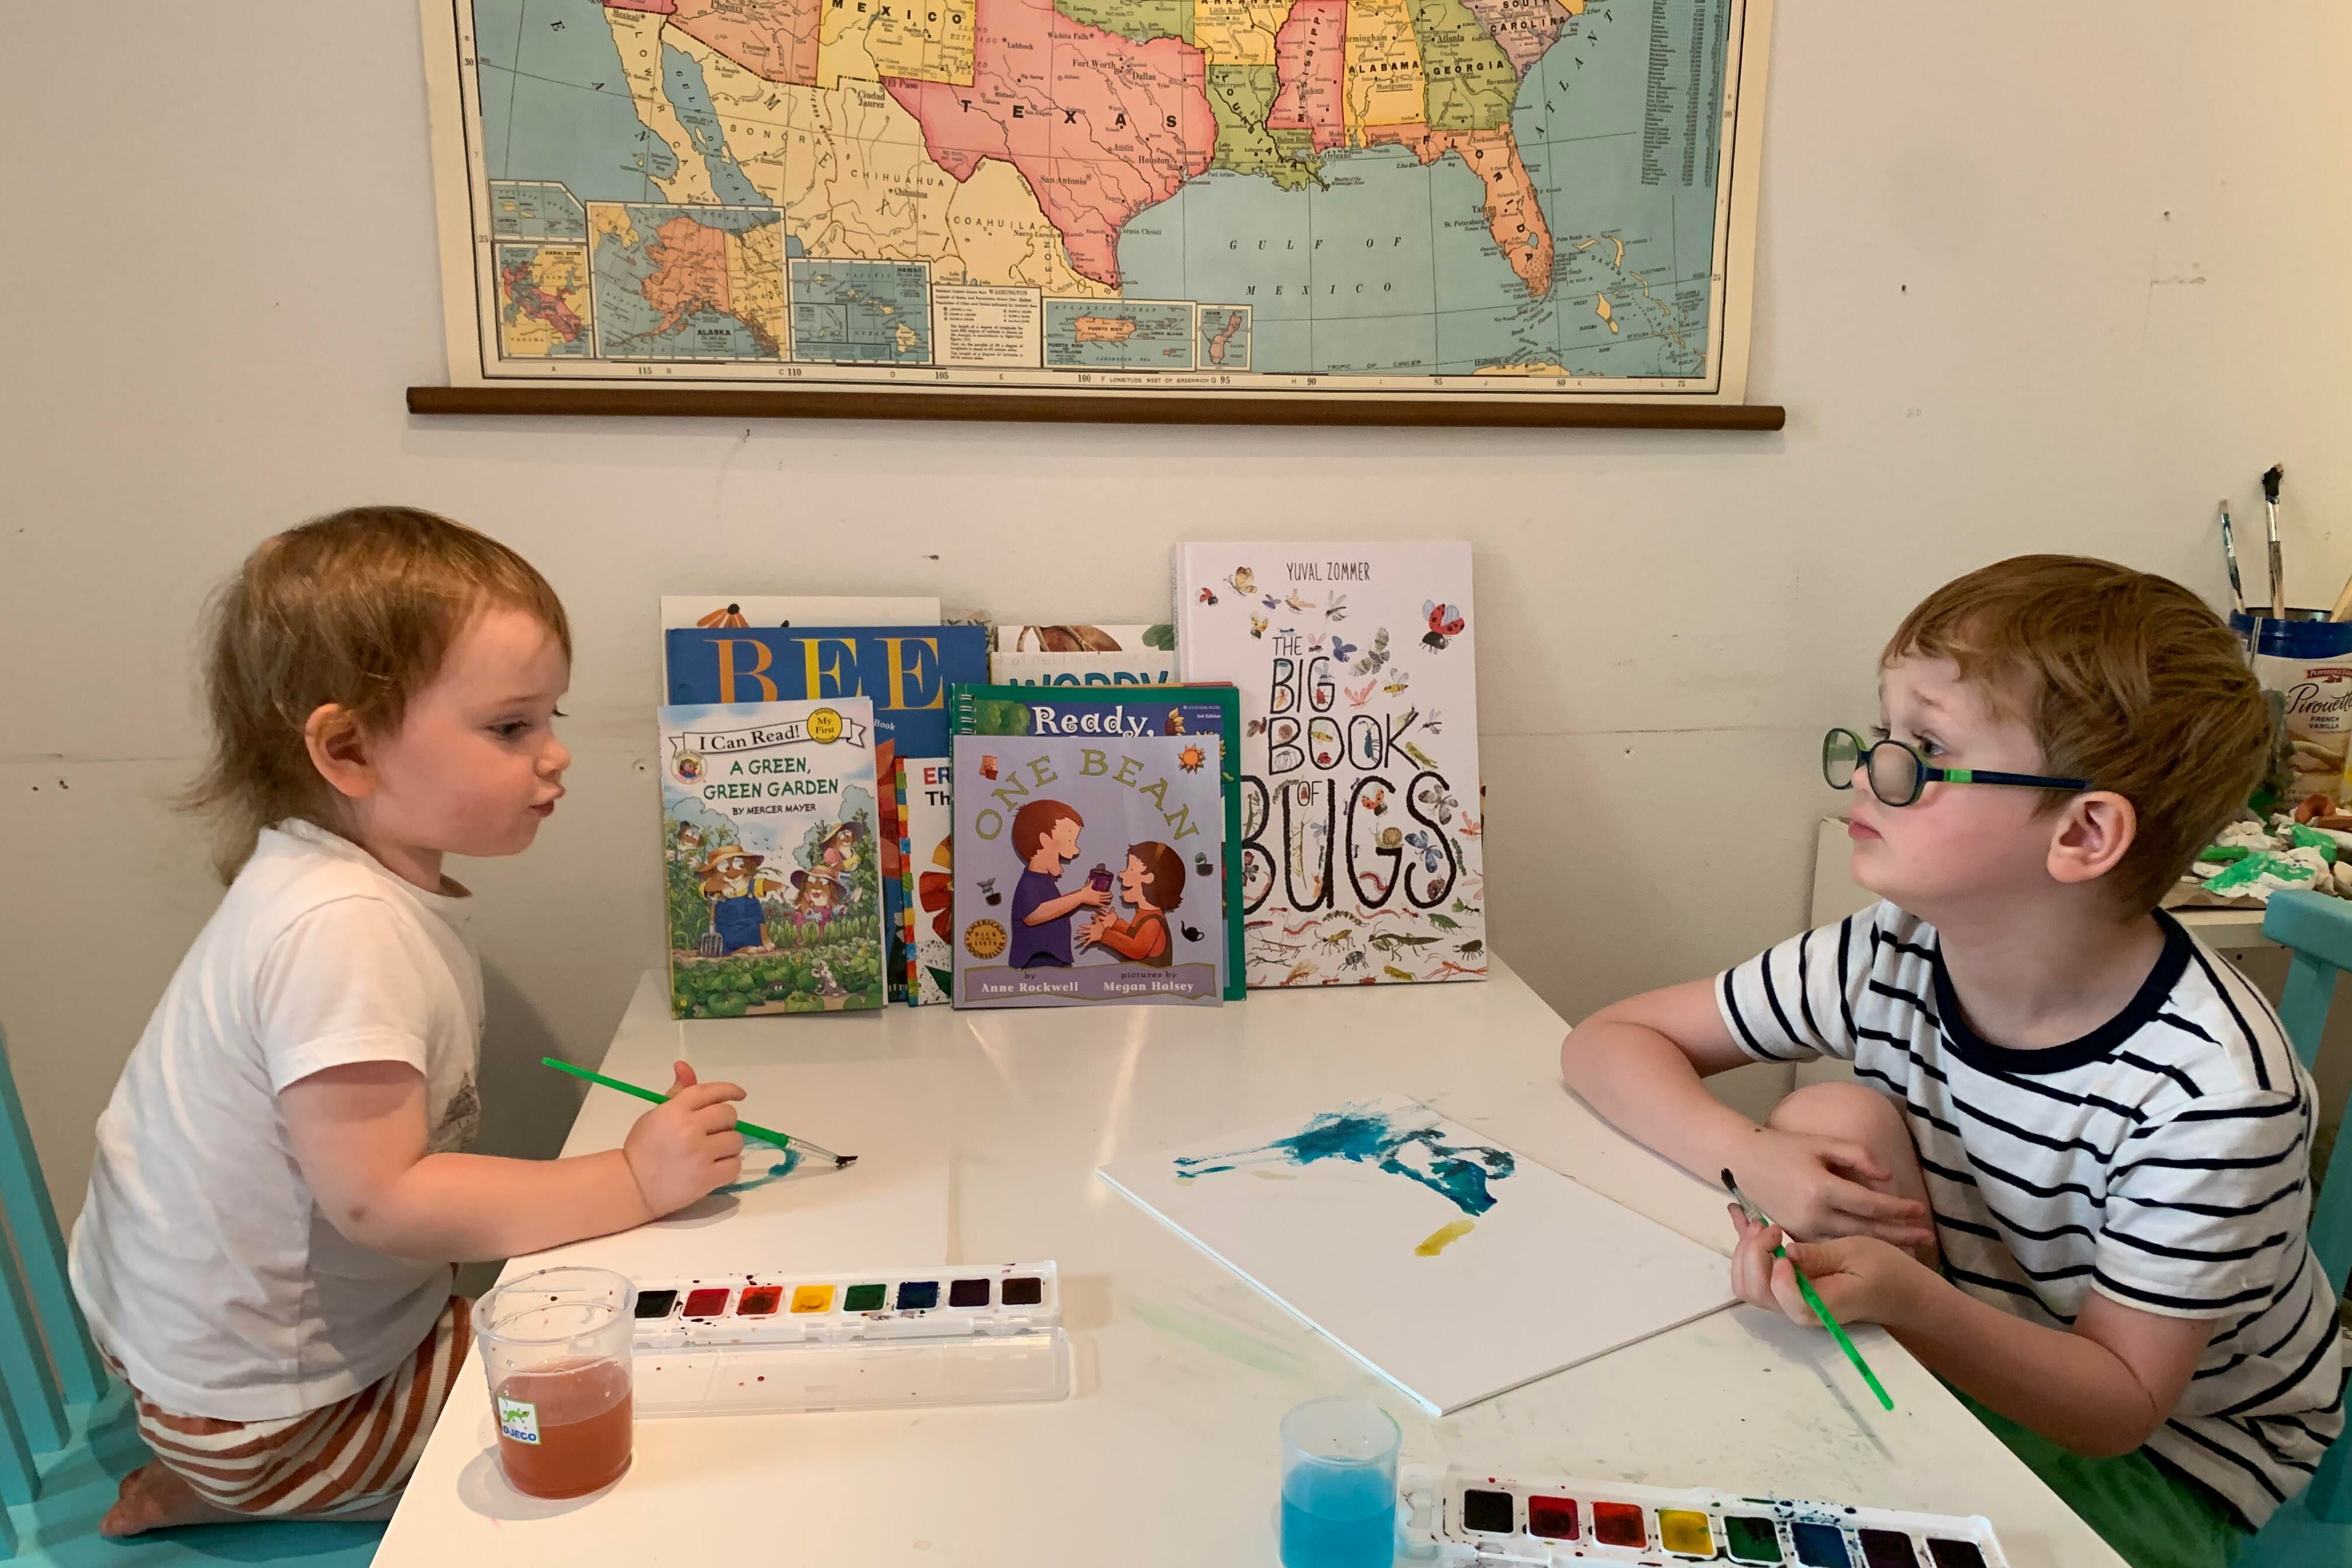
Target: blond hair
x,y
357,608
2125,678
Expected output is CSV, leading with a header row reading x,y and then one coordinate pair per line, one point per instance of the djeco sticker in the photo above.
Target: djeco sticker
x,y
518,1420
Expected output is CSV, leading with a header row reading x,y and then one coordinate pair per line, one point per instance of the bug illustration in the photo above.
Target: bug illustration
x,y
1298,603
1353,961
1435,722
1272,603
1243,581
1465,907
1335,609
1208,597
1389,941
1473,947
1373,657
1393,972
1432,797
1255,727
1399,679
1342,650
1444,922
1445,624
1338,939
1432,856
1378,799
1257,625
1359,695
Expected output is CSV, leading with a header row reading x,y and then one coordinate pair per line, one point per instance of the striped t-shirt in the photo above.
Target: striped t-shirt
x,y
2164,1160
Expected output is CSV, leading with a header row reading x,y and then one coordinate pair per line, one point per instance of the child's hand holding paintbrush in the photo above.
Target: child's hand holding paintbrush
x,y
688,1147
1849,1280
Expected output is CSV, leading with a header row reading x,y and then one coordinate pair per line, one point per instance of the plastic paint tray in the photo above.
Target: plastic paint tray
x,y
1454,1516
880,1339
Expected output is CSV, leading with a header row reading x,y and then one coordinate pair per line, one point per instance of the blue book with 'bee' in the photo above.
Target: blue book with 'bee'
x,y
1086,870
905,672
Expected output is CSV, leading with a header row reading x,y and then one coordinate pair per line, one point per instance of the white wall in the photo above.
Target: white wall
x,y
2031,277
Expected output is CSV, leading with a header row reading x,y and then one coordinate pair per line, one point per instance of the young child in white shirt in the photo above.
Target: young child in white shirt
x,y
2072,1174
281,1180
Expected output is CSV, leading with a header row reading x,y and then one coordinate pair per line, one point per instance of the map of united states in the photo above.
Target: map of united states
x,y
1391,186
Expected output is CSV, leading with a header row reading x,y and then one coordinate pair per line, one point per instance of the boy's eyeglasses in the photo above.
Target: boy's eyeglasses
x,y
1898,773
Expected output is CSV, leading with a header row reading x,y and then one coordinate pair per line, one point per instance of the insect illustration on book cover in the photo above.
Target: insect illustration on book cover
x,y
1361,811
772,882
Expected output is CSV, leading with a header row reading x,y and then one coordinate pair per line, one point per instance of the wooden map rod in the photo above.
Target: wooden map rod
x,y
1122,408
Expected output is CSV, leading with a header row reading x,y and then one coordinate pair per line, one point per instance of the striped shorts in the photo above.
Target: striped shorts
x,y
340,1459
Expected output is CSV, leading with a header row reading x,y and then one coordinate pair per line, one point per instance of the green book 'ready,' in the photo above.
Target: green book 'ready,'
x,y
1125,711
772,869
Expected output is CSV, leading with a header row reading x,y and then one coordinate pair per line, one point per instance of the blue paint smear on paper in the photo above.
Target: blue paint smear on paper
x,y
754,1151
1457,1173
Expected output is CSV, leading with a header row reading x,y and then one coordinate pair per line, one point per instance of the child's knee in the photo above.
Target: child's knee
x,y
1850,1110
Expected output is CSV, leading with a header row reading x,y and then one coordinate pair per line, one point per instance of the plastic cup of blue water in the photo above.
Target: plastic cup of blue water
x,y
1338,1485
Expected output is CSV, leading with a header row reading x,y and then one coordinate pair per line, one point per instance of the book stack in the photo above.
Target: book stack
x,y
1280,787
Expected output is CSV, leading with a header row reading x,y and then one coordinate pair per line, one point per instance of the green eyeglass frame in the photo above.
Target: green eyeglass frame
x,y
1898,775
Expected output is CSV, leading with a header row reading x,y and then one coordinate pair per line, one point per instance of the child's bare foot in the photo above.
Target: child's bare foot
x,y
154,1498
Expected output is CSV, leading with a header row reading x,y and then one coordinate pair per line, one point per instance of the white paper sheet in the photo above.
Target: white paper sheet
x,y
1446,1263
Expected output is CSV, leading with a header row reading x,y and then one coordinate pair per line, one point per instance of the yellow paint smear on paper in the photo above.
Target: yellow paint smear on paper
x,y
1444,1235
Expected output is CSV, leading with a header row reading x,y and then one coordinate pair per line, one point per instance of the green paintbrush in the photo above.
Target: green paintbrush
x,y
748,1129
1758,1217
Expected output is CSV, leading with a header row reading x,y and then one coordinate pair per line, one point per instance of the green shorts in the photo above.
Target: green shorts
x,y
2154,1514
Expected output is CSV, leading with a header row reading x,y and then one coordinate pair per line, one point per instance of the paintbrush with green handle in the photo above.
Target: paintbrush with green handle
x,y
1812,1298
808,1151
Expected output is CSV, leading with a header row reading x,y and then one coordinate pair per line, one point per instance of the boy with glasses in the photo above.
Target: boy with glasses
x,y
2072,1174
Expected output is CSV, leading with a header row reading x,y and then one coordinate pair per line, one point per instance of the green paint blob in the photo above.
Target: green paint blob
x,y
862,1299
1753,1539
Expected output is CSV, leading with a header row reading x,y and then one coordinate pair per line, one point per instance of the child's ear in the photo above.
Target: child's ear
x,y
339,751
2093,832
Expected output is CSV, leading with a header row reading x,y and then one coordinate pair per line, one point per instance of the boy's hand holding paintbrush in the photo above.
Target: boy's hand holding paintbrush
x,y
1859,1279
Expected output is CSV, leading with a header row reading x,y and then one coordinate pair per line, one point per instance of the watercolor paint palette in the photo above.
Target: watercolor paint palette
x,y
739,1344
1457,1516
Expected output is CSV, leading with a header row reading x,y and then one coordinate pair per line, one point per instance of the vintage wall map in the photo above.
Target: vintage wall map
x,y
1457,198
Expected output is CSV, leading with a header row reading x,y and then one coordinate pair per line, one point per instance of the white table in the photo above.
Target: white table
x,y
980,1133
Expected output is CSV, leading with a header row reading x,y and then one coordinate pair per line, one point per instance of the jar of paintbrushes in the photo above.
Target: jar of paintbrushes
x,y
2304,664
2303,658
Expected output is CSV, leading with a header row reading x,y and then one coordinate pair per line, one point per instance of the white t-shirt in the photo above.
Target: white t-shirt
x,y
201,1257
2163,1160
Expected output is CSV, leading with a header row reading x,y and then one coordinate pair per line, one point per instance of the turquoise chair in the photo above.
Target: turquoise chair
x,y
2314,1530
68,1431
